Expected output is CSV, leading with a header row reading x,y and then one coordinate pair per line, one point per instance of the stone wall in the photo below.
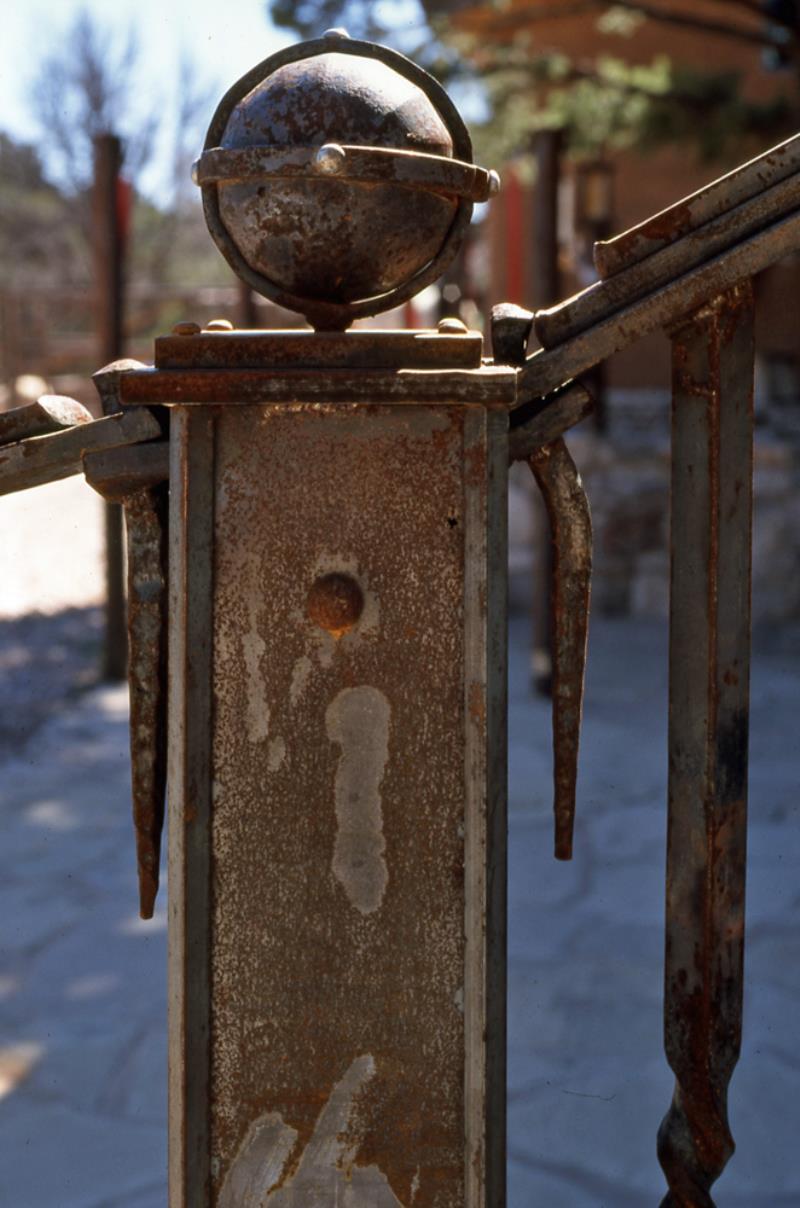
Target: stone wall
x,y
626,473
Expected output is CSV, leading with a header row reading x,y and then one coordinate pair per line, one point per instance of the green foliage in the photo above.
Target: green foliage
x,y
616,105
601,105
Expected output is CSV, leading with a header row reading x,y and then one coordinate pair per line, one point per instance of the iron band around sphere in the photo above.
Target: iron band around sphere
x,y
363,165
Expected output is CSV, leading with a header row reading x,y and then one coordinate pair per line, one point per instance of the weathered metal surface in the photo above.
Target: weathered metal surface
x,y
190,801
146,530
511,328
693,212
355,884
106,383
485,467
546,370
50,413
708,737
136,476
336,249
547,419
360,349
357,164
118,473
604,298
60,454
571,535
542,421
116,647
240,387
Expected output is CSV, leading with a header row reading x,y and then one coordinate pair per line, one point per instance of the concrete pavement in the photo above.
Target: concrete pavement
x,y
82,980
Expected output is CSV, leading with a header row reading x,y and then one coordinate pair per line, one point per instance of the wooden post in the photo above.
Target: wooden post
x,y
109,301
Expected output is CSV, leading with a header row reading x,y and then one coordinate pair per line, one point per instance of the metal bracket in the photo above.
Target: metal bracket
x,y
536,435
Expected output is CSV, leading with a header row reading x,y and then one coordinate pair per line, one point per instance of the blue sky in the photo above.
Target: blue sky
x,y
224,39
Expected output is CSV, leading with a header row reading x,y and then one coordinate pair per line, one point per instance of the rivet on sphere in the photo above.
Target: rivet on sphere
x,y
337,32
335,602
196,172
186,329
330,158
494,183
219,325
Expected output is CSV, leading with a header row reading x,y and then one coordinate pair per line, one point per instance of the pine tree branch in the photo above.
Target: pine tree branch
x,y
756,9
527,15
722,29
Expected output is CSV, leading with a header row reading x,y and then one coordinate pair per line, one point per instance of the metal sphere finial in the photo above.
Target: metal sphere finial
x,y
337,179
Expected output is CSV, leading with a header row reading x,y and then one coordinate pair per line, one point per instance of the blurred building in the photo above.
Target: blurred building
x,y
626,466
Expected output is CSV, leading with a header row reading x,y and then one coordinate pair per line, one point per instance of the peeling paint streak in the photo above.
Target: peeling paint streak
x,y
259,1164
300,676
326,1174
277,753
253,648
358,720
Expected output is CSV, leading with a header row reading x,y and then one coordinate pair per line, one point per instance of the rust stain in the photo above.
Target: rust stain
x,y
477,704
291,1009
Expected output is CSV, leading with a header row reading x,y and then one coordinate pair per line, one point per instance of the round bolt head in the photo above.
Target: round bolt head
x,y
219,325
186,329
494,183
335,602
330,159
338,31
452,327
196,172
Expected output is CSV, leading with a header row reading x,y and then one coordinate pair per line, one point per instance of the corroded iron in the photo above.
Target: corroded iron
x,y
708,737
540,423
492,384
644,276
146,531
136,477
571,536
662,308
50,413
536,434
337,912
692,213
269,351
337,179
30,463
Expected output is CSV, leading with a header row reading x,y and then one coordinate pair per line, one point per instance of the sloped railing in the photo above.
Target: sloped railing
x,y
688,271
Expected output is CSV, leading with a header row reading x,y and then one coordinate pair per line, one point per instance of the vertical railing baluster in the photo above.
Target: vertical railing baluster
x,y
708,736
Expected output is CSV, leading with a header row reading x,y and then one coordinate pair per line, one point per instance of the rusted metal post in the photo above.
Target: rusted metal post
x,y
547,148
108,272
708,736
545,276
337,665
246,310
337,819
